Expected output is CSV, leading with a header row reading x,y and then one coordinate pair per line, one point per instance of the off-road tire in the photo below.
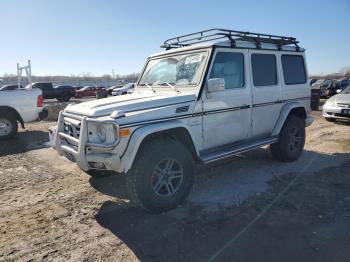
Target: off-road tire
x,y
13,120
282,150
139,177
330,119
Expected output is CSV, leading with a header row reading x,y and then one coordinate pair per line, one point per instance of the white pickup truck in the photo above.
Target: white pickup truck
x,y
20,105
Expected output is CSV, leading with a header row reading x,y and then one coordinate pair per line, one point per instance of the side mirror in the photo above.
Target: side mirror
x,y
216,85
338,91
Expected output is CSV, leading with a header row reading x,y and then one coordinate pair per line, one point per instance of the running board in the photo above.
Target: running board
x,y
236,149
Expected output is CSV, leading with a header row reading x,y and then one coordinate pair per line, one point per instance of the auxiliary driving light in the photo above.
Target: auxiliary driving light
x,y
97,165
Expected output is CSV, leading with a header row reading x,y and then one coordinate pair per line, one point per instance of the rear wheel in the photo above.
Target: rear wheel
x,y
65,97
8,125
162,175
291,141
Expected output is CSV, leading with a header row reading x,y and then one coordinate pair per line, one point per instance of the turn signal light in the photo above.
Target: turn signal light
x,y
124,132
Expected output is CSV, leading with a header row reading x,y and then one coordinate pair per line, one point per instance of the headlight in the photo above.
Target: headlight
x,y
331,103
101,133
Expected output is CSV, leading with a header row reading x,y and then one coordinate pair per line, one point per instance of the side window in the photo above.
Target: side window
x,y
264,69
293,69
229,66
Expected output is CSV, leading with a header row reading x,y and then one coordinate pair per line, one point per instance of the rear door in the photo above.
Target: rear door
x,y
266,90
295,85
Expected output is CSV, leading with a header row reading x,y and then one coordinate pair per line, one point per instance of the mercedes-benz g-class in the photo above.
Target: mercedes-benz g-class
x,y
208,96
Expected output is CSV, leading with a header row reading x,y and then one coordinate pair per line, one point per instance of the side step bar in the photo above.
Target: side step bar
x,y
236,149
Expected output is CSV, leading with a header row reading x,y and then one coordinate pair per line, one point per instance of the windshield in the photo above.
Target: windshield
x,y
126,86
180,70
325,83
346,90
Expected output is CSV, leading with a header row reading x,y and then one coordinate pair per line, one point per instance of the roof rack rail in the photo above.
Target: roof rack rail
x,y
232,36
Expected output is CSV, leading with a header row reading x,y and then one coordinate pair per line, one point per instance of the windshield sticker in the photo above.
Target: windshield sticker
x,y
193,59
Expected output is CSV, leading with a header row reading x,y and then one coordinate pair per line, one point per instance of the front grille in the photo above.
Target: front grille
x,y
342,115
72,127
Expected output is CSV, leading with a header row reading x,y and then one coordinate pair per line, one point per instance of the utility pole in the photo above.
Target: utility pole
x,y
28,70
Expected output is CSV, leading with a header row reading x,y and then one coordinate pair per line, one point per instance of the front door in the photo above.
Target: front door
x,y
227,113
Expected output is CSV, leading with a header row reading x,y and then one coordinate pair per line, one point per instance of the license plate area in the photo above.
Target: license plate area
x,y
345,112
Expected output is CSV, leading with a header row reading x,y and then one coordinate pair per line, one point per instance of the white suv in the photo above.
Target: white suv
x,y
210,95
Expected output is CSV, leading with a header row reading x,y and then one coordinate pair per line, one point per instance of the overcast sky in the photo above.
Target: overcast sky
x,y
63,37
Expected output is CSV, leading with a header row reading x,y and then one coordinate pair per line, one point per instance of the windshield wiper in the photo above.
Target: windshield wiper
x,y
145,84
170,85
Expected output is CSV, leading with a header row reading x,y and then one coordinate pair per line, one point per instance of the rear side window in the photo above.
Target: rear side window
x,y
293,69
229,66
264,69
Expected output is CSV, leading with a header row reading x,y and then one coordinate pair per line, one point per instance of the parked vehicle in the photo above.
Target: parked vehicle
x,y
317,84
338,106
110,89
313,81
19,106
61,93
195,102
328,88
126,89
342,84
10,87
91,91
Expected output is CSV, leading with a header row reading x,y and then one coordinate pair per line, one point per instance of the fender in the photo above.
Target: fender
x,y
138,137
284,114
15,112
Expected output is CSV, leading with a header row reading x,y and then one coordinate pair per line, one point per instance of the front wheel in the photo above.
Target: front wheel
x,y
162,175
8,125
292,140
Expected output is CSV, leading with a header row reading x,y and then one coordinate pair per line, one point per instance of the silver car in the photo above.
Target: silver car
x,y
126,89
338,106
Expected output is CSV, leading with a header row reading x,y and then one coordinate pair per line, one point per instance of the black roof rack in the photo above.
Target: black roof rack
x,y
232,36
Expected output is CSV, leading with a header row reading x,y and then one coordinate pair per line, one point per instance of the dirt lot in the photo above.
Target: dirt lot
x,y
250,208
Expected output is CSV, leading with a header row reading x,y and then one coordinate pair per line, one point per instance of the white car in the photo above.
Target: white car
x,y
126,89
20,105
338,106
197,102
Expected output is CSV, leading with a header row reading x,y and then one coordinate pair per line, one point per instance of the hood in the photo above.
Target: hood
x,y
128,103
341,98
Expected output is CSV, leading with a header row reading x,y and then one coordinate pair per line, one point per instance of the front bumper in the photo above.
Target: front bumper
x,y
77,149
116,93
334,112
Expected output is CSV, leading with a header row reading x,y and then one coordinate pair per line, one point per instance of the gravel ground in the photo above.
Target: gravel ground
x,y
248,208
